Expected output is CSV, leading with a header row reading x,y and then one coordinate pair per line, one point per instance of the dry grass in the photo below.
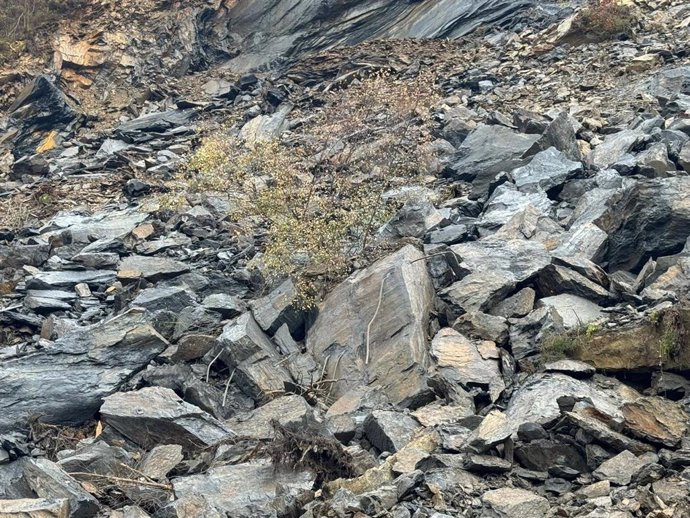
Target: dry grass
x,y
605,19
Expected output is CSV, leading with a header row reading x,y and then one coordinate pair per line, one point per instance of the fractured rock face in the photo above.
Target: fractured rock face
x,y
397,343
515,503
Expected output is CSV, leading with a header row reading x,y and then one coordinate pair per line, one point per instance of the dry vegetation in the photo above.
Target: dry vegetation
x,y
24,22
605,19
319,203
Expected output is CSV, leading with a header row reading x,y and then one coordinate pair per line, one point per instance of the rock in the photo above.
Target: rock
x,y
35,508
17,256
528,432
476,324
515,503
135,129
48,480
162,459
289,411
228,306
279,308
451,234
486,464
518,305
620,469
155,415
98,458
129,511
192,347
560,134
389,430
615,147
656,419
397,335
460,360
650,220
487,151
436,414
544,454
548,170
654,161
494,429
414,219
150,268
69,279
684,157
507,202
556,280
66,382
242,490
527,334
265,128
574,311
246,349
171,299
595,490
573,368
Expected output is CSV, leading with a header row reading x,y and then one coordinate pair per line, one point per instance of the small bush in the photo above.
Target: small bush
x,y
319,202
605,19
557,346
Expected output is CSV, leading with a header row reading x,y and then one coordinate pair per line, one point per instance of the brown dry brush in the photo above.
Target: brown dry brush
x,y
304,448
604,19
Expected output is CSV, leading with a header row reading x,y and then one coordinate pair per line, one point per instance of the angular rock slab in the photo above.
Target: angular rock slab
x,y
66,382
35,508
156,415
242,490
398,354
515,503
656,419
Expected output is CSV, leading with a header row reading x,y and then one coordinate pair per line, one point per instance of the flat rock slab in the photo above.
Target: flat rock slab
x,y
69,279
620,469
150,268
388,430
656,419
515,503
156,415
574,311
66,382
242,489
292,411
398,345
547,170
35,508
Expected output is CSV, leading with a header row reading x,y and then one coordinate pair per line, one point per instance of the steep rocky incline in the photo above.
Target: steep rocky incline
x,y
517,347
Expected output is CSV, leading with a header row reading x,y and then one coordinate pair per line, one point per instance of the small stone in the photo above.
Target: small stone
x,y
157,463
83,290
388,430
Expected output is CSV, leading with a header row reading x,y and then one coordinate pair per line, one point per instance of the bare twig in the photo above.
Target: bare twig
x,y
378,307
208,369
122,480
227,386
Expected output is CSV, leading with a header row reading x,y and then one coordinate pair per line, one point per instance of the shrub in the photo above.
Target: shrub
x,y
319,202
557,346
604,19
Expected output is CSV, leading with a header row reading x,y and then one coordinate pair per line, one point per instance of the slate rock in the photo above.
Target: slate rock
x,y
574,311
414,219
150,268
515,503
542,454
574,368
398,355
48,480
487,151
171,298
35,508
279,307
389,430
506,202
162,459
548,170
486,464
619,469
616,146
228,306
247,350
518,305
67,381
290,411
656,419
69,279
556,280
155,415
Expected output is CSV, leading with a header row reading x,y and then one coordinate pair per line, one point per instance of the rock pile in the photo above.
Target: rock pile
x,y
521,353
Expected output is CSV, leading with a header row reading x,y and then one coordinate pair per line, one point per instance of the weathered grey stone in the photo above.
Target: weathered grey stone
x,y
460,360
548,170
255,359
227,305
486,464
241,490
615,147
542,454
66,382
560,133
150,268
349,325
48,480
656,419
279,308
288,411
518,305
35,508
556,280
515,503
585,240
414,219
68,279
586,419
99,458
619,469
155,415
506,202
162,459
488,150
18,256
476,324
389,430
654,161
526,333
435,414
573,368
264,128
574,311
172,299
494,429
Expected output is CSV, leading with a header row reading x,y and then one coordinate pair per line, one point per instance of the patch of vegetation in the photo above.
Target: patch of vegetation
x,y
24,22
557,346
319,202
306,449
673,334
605,19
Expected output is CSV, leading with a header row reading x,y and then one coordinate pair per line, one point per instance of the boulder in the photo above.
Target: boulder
x,y
555,280
518,305
288,411
616,146
506,202
150,268
35,508
372,328
279,308
548,170
515,503
156,415
574,311
172,298
656,419
389,430
69,279
66,382
487,151
414,219
619,469
247,350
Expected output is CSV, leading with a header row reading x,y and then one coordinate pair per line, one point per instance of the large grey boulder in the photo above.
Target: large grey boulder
x,y
507,202
156,415
508,502
279,308
150,268
616,147
247,350
382,310
66,382
652,219
620,469
574,311
548,170
487,151
242,490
